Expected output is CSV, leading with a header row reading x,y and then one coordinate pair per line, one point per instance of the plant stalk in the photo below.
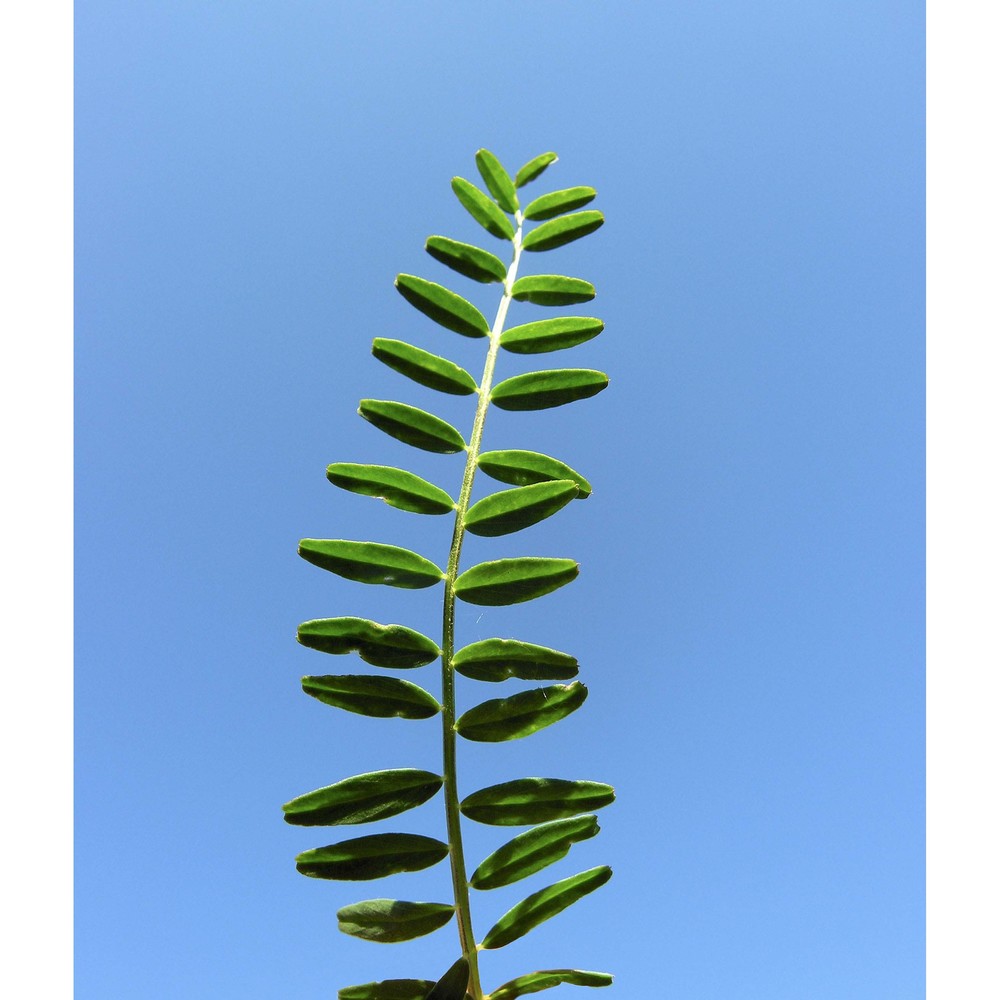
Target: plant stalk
x,y
459,878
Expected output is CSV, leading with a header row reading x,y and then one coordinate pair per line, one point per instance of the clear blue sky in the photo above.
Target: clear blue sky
x,y
749,614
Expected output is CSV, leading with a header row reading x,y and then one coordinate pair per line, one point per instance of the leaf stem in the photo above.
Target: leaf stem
x,y
458,874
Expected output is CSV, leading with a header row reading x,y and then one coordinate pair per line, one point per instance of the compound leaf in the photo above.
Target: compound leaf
x,y
497,180
552,290
533,168
526,801
513,581
566,229
497,659
396,487
442,305
371,562
548,206
545,389
525,467
483,209
378,697
541,905
380,645
392,920
544,979
532,851
521,714
363,798
547,335
480,265
423,367
412,426
365,858
511,510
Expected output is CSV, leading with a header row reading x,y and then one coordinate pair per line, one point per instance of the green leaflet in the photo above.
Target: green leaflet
x,y
453,984
480,265
412,426
511,510
380,645
365,858
545,389
442,305
391,920
566,229
388,989
396,487
550,334
423,367
371,562
378,697
513,581
540,906
498,659
521,714
525,467
482,209
548,206
533,168
534,982
363,798
497,181
532,851
526,801
552,290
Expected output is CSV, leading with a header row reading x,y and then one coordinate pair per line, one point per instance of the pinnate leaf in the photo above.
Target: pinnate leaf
x,y
396,487
412,426
513,581
520,715
497,180
544,979
545,389
371,562
511,510
497,659
388,989
552,290
526,801
363,798
392,920
442,305
483,209
423,367
380,645
541,905
548,206
565,229
533,850
533,168
525,467
377,697
480,265
550,334
366,858
453,984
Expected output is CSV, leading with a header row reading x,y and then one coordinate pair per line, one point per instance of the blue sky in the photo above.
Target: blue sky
x,y
749,614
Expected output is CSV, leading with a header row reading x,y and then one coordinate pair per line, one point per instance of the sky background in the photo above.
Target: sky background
x,y
749,613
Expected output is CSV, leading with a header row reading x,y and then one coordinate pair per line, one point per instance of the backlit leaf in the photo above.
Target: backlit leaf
x,y
453,984
396,487
380,645
511,510
388,989
480,265
497,180
423,367
550,334
363,798
483,209
525,467
552,290
498,659
548,206
521,714
533,168
541,905
532,851
545,389
391,920
412,426
513,581
565,229
371,562
442,305
545,979
378,697
526,801
366,858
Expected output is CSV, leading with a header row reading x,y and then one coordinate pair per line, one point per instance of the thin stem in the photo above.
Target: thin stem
x,y
458,875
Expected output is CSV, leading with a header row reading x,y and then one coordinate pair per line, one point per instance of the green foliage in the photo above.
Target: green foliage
x,y
556,810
